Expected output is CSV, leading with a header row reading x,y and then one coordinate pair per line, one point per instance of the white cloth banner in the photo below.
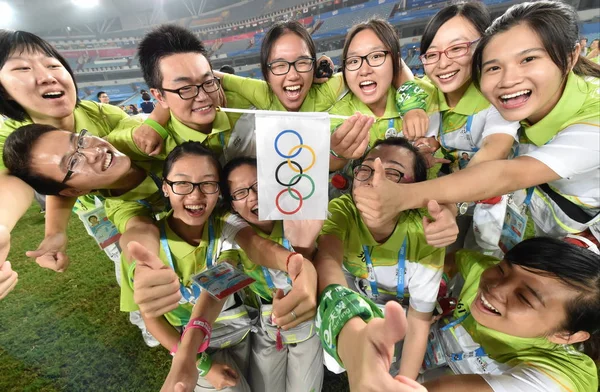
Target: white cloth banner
x,y
293,165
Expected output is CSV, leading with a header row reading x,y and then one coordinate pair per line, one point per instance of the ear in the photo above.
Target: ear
x,y
165,189
73,192
159,97
569,338
575,56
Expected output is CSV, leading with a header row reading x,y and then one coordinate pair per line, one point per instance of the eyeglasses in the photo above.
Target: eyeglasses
x,y
192,91
451,52
186,187
364,172
243,193
374,59
282,67
76,160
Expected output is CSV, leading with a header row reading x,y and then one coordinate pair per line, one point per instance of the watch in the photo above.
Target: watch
x,y
462,208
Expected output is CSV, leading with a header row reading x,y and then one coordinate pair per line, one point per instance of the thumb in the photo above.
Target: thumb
x,y
434,209
393,328
378,173
40,251
157,149
294,266
180,387
6,267
143,257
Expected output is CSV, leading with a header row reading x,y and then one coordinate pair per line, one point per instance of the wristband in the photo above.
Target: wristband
x,y
204,326
203,364
410,96
157,127
337,306
287,261
336,156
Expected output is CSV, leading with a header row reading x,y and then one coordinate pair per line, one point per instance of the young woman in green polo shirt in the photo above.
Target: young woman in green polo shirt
x,y
528,66
383,260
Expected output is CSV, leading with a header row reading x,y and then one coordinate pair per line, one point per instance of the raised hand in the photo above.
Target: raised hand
x,y
351,139
222,376
442,230
415,124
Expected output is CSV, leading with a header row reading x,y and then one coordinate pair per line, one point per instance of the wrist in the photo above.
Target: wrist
x,y
348,338
157,127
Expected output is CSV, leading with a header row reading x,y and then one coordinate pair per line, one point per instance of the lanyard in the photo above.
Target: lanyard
x,y
265,270
454,357
468,131
192,293
401,270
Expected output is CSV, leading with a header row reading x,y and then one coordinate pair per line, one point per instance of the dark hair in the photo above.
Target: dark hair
x,y
22,41
229,167
385,32
100,93
274,33
419,166
146,97
134,109
474,12
227,69
575,267
165,41
190,148
17,158
555,23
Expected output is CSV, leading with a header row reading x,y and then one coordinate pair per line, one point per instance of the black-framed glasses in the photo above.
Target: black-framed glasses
x,y
192,91
374,59
243,193
186,187
364,172
282,67
75,161
451,52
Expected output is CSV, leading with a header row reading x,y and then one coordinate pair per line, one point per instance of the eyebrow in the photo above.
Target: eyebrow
x,y
187,79
371,49
461,38
188,176
390,161
304,56
521,53
535,294
66,156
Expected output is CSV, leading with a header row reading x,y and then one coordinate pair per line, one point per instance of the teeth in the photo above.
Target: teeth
x,y
194,207
513,95
488,305
366,83
203,109
53,94
448,75
107,161
292,88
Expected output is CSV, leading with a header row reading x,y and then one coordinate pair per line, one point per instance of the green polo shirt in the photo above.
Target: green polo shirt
x,y
320,97
178,133
99,119
568,368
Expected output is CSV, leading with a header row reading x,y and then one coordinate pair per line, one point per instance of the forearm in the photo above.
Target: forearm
x,y
328,263
143,230
463,382
347,340
262,251
164,332
493,147
336,164
58,212
404,76
207,308
415,345
15,198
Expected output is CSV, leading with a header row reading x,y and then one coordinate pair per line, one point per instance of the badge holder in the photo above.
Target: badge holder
x,y
515,223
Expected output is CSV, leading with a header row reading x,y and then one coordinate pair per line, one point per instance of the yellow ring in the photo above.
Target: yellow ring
x,y
309,166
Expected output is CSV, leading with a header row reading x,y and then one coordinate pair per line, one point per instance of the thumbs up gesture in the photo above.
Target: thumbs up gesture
x,y
155,285
300,303
442,230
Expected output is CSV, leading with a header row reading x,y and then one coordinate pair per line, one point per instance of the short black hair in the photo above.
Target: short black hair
x,y
227,69
164,41
17,158
100,93
474,12
190,148
419,165
229,167
22,41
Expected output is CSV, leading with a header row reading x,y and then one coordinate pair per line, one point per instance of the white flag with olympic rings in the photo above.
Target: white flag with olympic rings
x,y
292,150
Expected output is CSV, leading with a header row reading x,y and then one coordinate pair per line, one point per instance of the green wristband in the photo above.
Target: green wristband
x,y
203,364
157,127
410,96
337,306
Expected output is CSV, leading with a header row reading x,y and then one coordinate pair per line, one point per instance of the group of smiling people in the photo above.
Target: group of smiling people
x,y
362,291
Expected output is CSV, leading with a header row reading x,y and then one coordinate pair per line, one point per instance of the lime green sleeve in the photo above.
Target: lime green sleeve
x,y
122,138
119,212
471,263
127,304
329,93
255,91
339,221
114,114
232,256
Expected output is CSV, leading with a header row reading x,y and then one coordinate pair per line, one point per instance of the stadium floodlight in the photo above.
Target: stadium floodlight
x,y
6,13
85,3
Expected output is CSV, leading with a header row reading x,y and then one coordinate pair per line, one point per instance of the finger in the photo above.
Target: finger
x,y
289,322
229,371
393,329
434,209
40,251
160,311
6,267
48,261
9,284
181,387
143,257
294,266
146,293
157,149
441,160
378,174
409,382
62,262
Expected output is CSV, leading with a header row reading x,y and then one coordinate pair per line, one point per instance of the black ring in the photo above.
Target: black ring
x,y
291,183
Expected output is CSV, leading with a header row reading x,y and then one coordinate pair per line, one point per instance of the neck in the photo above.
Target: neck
x,y
134,177
546,110
453,97
190,234
383,232
266,226
378,108
204,128
66,123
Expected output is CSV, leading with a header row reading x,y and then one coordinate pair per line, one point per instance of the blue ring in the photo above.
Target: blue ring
x,y
277,141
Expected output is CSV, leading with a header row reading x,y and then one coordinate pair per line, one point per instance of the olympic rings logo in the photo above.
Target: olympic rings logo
x,y
295,167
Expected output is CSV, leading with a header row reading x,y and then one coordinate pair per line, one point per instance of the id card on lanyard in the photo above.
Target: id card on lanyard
x,y
192,293
467,132
515,223
400,272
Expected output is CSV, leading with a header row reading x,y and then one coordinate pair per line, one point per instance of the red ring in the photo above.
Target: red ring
x,y
288,212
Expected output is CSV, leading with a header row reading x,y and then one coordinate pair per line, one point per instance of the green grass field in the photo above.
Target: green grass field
x,y
64,332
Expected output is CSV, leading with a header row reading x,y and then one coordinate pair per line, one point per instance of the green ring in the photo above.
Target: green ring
x,y
311,182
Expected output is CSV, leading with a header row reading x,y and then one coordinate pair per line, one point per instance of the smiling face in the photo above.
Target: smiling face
x,y
452,75
40,84
520,302
195,208
370,84
241,177
518,76
291,88
101,167
184,69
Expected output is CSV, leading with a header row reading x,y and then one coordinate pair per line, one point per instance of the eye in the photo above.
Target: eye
x,y
528,59
491,69
209,83
22,69
353,60
524,300
500,269
457,48
185,89
430,55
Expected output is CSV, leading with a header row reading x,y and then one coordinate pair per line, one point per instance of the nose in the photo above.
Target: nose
x,y
202,95
252,196
43,75
444,61
510,77
293,74
365,68
92,154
